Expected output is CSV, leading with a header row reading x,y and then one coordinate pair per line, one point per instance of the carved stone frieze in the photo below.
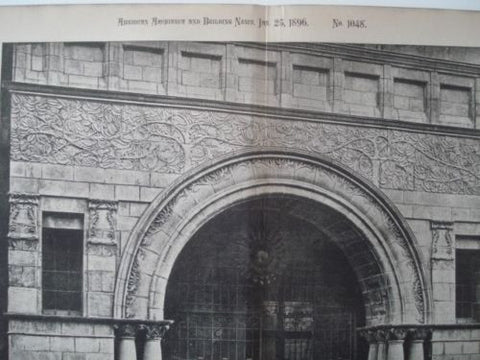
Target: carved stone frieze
x,y
147,138
23,219
442,240
103,222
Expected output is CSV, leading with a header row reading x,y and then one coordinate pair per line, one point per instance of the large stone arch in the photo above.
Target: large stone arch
x,y
399,292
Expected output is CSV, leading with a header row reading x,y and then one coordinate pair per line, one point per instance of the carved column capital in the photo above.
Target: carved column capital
x,y
156,331
368,335
126,330
380,335
419,334
442,240
396,333
23,218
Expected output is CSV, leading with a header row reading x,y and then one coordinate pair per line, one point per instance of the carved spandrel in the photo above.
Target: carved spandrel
x,y
442,241
103,222
23,219
167,140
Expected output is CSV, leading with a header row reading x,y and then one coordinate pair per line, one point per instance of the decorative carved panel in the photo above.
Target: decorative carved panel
x,y
168,140
442,245
103,222
23,220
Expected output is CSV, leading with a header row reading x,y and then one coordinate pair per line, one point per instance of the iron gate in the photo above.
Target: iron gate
x,y
223,316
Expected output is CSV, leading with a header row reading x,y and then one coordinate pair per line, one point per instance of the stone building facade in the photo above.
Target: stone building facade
x,y
240,201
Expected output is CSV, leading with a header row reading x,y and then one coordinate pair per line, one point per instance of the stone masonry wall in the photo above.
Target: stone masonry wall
x,y
461,344
180,139
47,339
432,178
303,79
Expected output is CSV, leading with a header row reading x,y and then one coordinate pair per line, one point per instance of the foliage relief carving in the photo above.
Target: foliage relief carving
x,y
167,140
23,223
103,222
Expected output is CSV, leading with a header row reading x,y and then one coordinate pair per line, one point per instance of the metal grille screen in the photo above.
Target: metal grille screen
x,y
261,287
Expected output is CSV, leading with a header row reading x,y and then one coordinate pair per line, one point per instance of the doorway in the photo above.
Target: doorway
x,y
259,283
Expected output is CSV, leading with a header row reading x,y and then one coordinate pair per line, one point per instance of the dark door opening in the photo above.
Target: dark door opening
x,y
257,284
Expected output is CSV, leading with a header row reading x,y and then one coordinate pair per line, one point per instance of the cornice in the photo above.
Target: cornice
x,y
375,56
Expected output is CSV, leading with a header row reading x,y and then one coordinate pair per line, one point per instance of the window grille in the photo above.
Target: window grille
x,y
62,263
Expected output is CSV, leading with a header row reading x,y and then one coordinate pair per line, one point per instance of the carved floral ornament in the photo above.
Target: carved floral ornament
x,y
173,206
153,331
103,222
23,219
160,139
383,334
442,240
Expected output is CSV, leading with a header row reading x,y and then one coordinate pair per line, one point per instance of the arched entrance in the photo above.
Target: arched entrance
x,y
370,232
258,281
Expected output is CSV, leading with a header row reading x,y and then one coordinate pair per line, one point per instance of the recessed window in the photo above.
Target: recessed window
x,y
62,263
467,284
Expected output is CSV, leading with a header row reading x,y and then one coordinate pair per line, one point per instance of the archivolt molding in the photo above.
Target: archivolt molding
x,y
168,140
153,242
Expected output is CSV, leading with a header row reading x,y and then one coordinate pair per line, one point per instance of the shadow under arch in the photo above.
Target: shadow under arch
x,y
203,193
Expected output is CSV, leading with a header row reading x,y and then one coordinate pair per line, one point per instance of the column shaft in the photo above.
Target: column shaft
x,y
153,350
382,351
416,350
372,351
127,349
395,350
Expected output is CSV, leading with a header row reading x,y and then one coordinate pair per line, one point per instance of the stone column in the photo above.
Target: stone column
x,y
369,335
396,338
153,342
127,349
381,337
416,347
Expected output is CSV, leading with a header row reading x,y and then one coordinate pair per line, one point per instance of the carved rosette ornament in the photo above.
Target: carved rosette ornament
x,y
103,222
442,240
23,219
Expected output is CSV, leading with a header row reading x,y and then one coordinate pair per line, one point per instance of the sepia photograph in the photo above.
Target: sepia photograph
x,y
230,200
